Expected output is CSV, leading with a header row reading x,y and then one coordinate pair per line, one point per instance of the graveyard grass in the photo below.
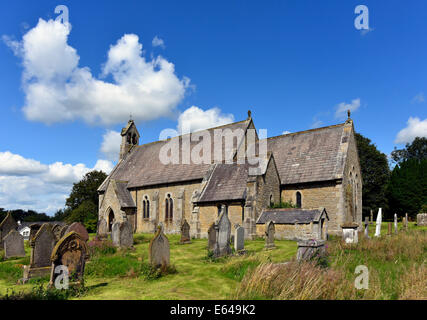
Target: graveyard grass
x,y
397,264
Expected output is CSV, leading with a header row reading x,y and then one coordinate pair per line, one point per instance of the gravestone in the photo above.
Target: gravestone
x,y
212,235
7,225
372,217
159,250
389,229
422,219
41,250
185,233
57,231
80,229
71,252
64,230
122,234
309,249
239,239
349,233
403,222
378,223
406,221
269,235
395,224
13,245
367,228
102,229
223,226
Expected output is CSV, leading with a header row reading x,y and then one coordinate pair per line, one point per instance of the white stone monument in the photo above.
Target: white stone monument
x,y
378,223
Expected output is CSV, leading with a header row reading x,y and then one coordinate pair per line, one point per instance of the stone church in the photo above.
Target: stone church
x,y
317,170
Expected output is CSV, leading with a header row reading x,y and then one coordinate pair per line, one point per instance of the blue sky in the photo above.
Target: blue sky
x,y
293,63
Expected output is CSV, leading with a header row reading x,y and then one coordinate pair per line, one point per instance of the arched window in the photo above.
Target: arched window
x,y
129,138
146,208
110,220
134,139
271,201
168,208
299,199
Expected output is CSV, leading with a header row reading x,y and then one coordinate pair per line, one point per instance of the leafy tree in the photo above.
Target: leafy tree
x,y
375,175
82,204
407,190
416,150
85,189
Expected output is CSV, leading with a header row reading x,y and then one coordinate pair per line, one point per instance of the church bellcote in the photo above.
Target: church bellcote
x,y
130,138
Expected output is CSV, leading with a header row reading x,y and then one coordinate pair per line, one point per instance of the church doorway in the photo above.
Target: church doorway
x,y
110,220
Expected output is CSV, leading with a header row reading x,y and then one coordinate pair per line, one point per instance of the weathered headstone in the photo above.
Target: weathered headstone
x,y
185,233
41,250
212,231
378,223
422,219
372,217
349,233
102,229
395,224
222,247
239,239
159,250
269,235
71,252
403,222
80,229
389,229
406,221
309,249
7,225
13,245
64,230
367,228
57,231
34,228
122,234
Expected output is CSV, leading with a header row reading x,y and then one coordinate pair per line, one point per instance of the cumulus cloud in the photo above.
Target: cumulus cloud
x,y
110,146
29,184
158,42
194,119
415,128
58,89
341,109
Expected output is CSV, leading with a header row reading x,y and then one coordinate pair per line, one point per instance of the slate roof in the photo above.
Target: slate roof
x,y
309,156
227,182
142,167
124,195
290,215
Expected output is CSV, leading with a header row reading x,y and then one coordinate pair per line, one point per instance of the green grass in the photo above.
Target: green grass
x,y
126,274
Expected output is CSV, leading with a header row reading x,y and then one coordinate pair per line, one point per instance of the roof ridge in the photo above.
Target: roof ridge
x,y
309,130
185,134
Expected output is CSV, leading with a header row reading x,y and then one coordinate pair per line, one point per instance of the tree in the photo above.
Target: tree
x,y
375,175
407,190
82,204
416,150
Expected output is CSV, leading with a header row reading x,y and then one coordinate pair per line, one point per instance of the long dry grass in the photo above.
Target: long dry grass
x,y
396,264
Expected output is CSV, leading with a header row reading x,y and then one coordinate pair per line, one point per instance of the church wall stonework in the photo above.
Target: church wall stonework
x,y
327,194
290,231
182,206
209,214
109,200
267,185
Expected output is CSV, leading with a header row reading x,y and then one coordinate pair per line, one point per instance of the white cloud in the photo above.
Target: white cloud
x,y
341,109
158,42
286,132
110,146
58,89
29,184
194,119
415,128
316,124
419,98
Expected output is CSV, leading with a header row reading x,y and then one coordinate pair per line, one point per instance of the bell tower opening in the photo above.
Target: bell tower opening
x,y
130,138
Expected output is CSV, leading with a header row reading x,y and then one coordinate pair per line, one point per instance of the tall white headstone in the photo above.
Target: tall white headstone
x,y
395,223
378,223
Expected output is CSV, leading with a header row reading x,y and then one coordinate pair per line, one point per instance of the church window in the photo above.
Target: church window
x,y
299,199
146,208
168,208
